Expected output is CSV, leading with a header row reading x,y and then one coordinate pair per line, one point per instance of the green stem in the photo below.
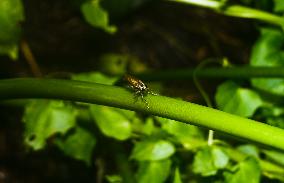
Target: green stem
x,y
236,11
214,72
204,94
159,105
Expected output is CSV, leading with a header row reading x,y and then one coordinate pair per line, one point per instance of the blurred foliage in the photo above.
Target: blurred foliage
x,y
11,17
96,16
279,6
268,51
233,99
150,149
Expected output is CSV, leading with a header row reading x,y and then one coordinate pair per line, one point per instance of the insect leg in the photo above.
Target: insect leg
x,y
144,100
152,93
136,95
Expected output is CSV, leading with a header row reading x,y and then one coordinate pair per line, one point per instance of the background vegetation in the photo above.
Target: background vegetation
x,y
66,114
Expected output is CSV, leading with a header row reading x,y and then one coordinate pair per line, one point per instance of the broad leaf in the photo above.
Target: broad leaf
x,y
150,149
247,170
203,163
112,121
44,118
220,158
153,171
79,144
11,15
268,51
231,98
279,6
249,150
96,16
185,133
208,160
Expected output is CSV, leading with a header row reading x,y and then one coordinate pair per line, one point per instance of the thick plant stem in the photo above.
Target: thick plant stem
x,y
215,72
158,105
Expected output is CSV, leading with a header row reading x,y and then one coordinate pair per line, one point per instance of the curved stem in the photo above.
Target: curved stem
x,y
204,94
182,111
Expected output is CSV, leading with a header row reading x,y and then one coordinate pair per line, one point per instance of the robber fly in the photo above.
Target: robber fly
x,y
140,88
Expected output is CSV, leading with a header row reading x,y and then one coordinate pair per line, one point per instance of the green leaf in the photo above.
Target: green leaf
x,y
96,16
153,150
153,171
44,118
231,98
249,150
78,145
185,133
278,6
268,51
11,15
220,158
114,179
149,127
177,178
112,121
114,64
203,162
95,77
208,160
247,170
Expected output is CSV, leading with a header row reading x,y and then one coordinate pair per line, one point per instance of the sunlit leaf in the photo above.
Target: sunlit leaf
x,y
246,171
220,158
111,121
11,15
152,150
208,160
79,144
203,162
268,51
153,171
44,118
249,150
231,98
96,16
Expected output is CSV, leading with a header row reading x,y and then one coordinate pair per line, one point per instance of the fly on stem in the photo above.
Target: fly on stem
x,y
139,87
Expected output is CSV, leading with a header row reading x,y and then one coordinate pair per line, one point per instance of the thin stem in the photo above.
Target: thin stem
x,y
182,111
28,54
204,94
